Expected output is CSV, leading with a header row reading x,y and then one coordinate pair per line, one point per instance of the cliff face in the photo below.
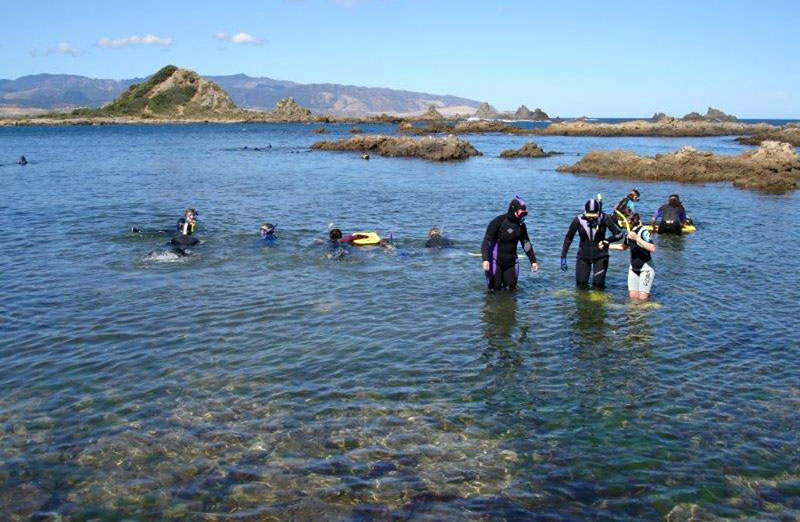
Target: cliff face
x,y
172,92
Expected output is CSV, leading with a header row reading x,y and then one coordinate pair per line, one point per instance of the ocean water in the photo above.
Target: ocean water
x,y
254,382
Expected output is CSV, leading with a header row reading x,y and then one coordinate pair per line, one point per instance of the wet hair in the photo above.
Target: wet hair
x,y
636,191
635,219
335,234
186,212
434,232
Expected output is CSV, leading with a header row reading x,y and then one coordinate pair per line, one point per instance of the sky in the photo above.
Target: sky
x,y
570,58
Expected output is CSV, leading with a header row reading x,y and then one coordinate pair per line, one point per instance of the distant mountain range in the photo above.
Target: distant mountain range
x,y
64,91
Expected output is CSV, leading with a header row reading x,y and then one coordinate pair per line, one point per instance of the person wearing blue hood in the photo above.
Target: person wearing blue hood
x,y
499,248
593,255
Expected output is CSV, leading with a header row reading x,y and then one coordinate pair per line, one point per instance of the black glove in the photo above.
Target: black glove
x,y
564,264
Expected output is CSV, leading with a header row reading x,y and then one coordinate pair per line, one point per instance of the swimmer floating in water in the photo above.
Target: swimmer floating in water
x,y
22,161
437,240
267,232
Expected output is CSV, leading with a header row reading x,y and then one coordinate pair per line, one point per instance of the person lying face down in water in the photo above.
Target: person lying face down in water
x,y
437,240
186,227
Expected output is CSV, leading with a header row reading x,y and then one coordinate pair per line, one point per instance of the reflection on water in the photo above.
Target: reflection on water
x,y
253,383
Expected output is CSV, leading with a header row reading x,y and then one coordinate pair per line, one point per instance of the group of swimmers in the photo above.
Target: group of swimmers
x,y
597,231
598,234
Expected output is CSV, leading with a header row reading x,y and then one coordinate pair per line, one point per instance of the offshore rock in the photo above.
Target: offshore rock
x,y
529,150
486,111
524,113
773,167
664,127
433,149
432,114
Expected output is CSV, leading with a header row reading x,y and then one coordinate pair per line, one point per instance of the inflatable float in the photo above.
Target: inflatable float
x,y
685,229
365,238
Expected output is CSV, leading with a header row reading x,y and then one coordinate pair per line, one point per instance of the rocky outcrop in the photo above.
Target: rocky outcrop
x,y
486,111
773,167
483,127
665,127
288,110
712,115
433,149
320,130
524,113
432,114
356,130
529,150
660,117
788,134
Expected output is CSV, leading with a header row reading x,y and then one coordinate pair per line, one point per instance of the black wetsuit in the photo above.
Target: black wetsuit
x,y
639,255
671,219
590,255
438,242
185,239
500,249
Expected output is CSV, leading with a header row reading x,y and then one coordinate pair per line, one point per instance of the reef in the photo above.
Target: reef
x,y
773,167
429,148
529,150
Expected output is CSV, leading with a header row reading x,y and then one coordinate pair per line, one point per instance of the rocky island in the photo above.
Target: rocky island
x,y
773,167
789,133
433,149
529,150
663,126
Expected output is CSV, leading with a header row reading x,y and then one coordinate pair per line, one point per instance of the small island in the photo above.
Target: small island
x,y
529,150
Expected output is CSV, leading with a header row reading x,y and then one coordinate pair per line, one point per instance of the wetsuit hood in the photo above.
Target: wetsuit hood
x,y
517,204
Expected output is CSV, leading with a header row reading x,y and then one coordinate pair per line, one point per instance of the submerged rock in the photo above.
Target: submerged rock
x,y
773,167
355,130
434,149
529,150
320,130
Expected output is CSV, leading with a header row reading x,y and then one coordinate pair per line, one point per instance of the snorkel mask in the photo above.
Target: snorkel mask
x,y
518,208
592,209
266,230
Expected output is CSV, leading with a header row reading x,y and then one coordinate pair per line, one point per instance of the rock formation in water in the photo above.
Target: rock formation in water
x,y
433,149
288,110
712,115
773,167
664,127
524,113
660,117
486,111
356,130
529,150
789,133
432,114
320,130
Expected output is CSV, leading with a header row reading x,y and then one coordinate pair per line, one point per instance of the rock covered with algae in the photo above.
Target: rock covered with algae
x,y
429,148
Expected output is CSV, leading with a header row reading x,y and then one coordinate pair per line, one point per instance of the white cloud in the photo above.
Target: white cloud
x,y
147,39
239,38
64,48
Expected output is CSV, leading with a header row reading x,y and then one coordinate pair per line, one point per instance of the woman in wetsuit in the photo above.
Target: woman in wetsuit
x,y
499,248
593,249
670,217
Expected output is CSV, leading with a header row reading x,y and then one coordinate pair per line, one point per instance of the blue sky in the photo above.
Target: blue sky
x,y
592,58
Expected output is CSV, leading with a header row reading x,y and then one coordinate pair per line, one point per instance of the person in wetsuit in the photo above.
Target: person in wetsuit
x,y
593,249
499,248
626,206
23,161
640,273
267,232
436,240
186,227
670,217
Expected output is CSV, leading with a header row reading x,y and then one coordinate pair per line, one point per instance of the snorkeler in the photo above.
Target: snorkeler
x,y
640,272
593,250
626,207
186,227
267,232
437,240
22,161
499,248
670,217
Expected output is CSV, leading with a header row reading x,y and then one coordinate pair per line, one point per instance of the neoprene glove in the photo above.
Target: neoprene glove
x,y
564,264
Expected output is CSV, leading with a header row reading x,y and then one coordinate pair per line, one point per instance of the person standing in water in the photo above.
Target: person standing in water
x,y
640,273
186,227
593,255
499,249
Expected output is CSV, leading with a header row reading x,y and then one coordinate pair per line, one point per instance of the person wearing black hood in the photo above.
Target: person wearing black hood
x,y
593,250
23,160
499,248
670,217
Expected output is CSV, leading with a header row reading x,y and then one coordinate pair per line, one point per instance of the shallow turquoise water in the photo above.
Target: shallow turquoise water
x,y
257,383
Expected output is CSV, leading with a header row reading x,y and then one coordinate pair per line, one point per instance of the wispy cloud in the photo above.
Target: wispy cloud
x,y
64,48
239,38
148,39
